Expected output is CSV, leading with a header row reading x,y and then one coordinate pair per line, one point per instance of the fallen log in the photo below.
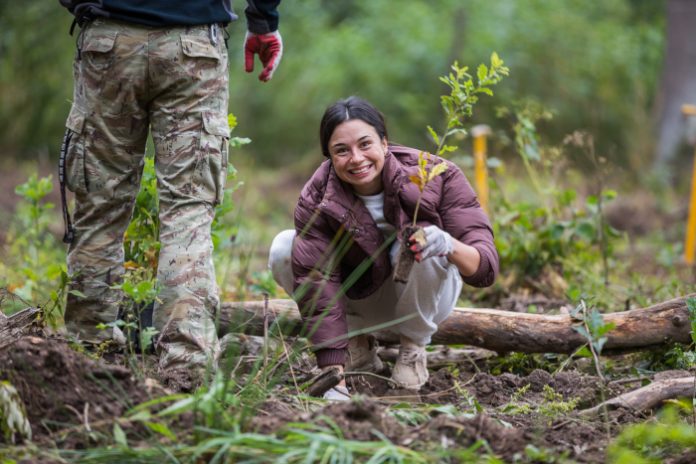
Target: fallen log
x,y
496,330
649,396
15,326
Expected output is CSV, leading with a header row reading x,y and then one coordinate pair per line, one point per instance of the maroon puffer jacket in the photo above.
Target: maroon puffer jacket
x,y
339,251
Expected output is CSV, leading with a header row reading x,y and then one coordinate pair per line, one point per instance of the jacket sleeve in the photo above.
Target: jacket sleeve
x,y
464,219
262,16
318,285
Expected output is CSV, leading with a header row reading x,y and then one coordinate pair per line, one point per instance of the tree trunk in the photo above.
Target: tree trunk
x,y
649,396
500,331
678,81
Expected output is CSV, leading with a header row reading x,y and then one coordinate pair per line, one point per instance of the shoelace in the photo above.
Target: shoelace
x,y
409,355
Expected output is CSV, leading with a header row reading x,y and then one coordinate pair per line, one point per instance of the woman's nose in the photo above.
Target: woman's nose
x,y
356,154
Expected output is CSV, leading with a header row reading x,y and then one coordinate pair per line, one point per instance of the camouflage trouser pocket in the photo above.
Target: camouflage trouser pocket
x,y
211,171
75,177
96,46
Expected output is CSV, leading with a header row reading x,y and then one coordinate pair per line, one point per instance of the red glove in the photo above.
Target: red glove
x,y
269,48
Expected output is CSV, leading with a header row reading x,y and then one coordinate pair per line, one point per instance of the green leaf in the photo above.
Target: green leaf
x,y
433,134
160,428
496,62
599,344
482,72
586,231
582,331
77,293
584,352
120,436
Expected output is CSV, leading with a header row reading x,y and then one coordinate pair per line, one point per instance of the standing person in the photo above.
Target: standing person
x,y
160,67
347,216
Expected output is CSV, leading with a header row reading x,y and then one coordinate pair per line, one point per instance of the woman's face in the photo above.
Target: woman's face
x,y
357,154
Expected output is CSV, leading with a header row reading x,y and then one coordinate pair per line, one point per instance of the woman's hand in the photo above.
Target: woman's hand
x,y
437,243
440,243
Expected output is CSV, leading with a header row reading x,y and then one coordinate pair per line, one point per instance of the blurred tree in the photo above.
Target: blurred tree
x,y
35,74
678,82
595,64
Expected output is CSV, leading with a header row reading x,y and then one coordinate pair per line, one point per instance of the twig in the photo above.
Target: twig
x,y
358,373
85,416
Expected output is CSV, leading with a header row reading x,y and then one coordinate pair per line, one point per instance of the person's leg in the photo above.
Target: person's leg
x,y
280,260
428,297
191,134
105,144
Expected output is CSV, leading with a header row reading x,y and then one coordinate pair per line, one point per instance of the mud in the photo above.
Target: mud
x,y
65,391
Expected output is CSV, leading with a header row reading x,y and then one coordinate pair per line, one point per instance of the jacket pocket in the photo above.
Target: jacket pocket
x,y
75,174
214,151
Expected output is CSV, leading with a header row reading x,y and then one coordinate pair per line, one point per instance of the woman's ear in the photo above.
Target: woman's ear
x,y
385,144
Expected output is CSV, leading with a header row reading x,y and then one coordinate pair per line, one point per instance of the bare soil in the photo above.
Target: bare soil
x,y
66,393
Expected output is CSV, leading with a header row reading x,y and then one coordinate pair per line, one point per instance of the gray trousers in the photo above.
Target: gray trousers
x,y
427,298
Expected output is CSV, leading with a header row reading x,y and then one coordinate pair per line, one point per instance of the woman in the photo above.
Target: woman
x,y
338,262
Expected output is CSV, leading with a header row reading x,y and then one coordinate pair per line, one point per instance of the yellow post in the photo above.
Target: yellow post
x,y
689,248
480,132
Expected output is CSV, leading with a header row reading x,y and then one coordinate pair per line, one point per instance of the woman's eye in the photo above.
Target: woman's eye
x,y
366,144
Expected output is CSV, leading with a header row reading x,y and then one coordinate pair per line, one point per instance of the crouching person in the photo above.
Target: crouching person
x,y
338,261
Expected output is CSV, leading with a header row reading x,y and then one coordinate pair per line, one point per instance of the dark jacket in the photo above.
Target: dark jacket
x,y
262,16
339,245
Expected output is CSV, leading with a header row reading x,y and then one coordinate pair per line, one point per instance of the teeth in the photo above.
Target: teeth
x,y
360,170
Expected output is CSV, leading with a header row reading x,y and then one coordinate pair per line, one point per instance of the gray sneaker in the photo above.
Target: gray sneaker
x,y
362,355
410,370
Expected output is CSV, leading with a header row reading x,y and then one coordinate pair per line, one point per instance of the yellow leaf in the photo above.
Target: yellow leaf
x,y
417,180
437,170
130,265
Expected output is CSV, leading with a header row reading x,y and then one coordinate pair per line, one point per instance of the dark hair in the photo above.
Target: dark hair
x,y
344,110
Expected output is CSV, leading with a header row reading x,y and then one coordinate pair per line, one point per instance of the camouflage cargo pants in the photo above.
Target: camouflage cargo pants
x,y
173,82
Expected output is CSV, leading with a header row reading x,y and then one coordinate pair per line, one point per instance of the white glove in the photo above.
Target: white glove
x,y
437,243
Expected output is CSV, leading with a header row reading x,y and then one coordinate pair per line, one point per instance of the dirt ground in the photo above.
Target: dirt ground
x,y
67,393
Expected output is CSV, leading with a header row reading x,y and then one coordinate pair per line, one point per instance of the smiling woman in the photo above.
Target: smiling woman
x,y
338,261
357,153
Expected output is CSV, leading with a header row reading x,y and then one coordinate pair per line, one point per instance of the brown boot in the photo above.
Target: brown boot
x,y
410,370
362,355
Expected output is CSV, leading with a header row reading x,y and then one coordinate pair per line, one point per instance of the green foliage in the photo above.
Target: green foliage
x,y
553,229
521,363
463,95
554,404
691,308
457,105
34,270
14,425
551,405
651,442
593,327
556,48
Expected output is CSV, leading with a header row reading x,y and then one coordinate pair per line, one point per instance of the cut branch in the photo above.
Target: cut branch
x,y
15,326
500,331
649,396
